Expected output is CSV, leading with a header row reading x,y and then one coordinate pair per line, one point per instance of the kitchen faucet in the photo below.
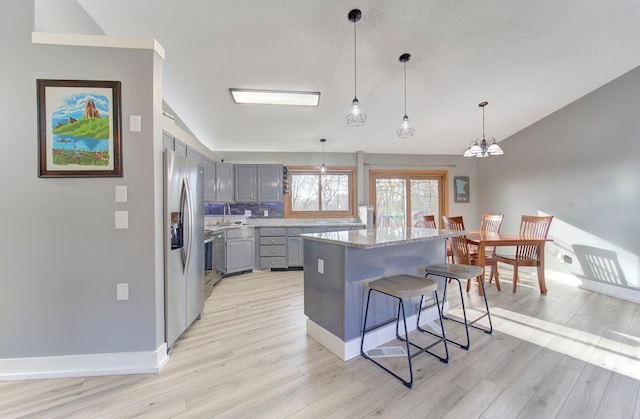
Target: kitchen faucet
x,y
226,211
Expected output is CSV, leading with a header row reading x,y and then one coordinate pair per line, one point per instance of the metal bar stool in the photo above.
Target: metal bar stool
x,y
405,287
459,272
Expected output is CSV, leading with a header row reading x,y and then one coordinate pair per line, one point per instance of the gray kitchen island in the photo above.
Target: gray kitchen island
x,y
337,267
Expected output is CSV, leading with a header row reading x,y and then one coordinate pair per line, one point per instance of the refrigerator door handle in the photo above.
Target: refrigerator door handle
x,y
189,217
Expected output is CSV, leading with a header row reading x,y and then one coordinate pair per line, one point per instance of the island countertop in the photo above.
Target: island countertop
x,y
381,237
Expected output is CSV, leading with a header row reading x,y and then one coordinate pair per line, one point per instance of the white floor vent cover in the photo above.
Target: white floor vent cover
x,y
386,352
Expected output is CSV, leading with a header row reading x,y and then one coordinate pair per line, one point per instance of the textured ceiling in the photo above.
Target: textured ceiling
x,y
527,58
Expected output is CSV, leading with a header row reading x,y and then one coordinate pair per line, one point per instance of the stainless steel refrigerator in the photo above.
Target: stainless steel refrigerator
x,y
183,244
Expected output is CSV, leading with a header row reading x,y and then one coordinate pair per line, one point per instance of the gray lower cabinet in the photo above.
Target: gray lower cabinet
x,y
294,247
295,255
282,247
239,250
272,247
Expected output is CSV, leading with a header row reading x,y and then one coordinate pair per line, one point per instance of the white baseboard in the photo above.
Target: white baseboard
x,y
84,365
622,293
351,349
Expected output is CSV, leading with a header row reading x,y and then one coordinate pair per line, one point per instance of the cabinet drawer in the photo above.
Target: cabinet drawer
x,y
234,233
294,231
315,229
275,231
273,241
273,251
273,262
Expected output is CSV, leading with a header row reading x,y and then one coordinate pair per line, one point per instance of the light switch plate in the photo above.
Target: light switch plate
x,y
321,266
247,213
266,213
135,123
122,220
122,292
121,193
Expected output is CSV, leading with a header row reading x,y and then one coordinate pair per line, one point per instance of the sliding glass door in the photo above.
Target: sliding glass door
x,y
401,198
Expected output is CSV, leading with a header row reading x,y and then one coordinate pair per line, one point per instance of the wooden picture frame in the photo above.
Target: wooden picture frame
x,y
79,128
461,189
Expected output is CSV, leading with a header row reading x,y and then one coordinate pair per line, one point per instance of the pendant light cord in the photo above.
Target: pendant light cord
x,y
355,64
405,88
483,122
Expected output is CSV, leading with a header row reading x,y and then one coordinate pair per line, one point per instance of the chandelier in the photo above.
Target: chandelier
x,y
482,147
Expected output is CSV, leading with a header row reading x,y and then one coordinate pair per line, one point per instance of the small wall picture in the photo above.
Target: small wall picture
x,y
461,188
79,128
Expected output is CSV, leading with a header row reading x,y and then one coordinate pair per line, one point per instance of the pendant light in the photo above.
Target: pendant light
x,y
323,168
482,147
355,117
405,130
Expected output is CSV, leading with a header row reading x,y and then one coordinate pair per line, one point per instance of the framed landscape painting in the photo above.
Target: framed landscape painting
x,y
79,128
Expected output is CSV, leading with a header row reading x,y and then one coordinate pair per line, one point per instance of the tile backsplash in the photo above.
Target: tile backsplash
x,y
273,209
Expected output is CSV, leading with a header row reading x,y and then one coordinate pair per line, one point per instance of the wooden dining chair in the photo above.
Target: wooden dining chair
x,y
463,255
491,223
452,223
527,255
429,221
461,251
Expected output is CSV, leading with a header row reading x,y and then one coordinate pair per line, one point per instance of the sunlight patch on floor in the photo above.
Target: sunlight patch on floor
x,y
617,352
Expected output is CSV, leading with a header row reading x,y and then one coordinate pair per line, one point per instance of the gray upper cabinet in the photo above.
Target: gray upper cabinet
x,y
246,181
224,182
167,141
179,147
269,182
194,156
209,180
258,182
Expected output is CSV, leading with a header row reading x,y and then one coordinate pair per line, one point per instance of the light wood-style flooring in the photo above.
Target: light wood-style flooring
x,y
569,354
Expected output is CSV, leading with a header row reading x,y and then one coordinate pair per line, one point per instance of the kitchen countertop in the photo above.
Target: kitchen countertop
x,y
282,222
381,237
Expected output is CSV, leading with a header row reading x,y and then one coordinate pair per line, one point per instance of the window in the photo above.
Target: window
x,y
313,194
401,198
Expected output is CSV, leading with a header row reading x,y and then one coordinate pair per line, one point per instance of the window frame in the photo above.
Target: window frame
x,y
315,170
442,176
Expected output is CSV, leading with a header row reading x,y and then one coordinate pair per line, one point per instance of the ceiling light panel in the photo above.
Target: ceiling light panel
x,y
275,97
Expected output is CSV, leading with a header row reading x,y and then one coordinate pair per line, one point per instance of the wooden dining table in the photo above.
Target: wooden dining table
x,y
484,239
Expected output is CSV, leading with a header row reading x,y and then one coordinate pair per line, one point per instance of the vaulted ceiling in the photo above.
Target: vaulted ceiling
x,y
527,58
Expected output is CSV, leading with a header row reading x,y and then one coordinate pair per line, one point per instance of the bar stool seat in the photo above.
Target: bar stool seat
x,y
458,272
403,288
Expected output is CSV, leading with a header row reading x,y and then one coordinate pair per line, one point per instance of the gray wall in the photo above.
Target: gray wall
x,y
61,256
579,164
